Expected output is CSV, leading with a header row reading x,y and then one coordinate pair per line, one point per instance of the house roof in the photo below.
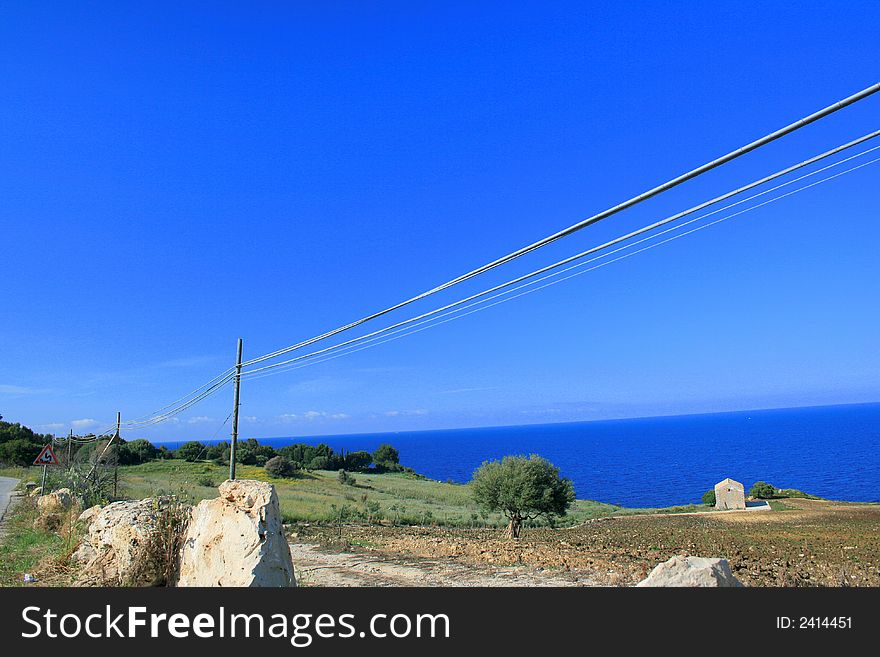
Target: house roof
x,y
729,482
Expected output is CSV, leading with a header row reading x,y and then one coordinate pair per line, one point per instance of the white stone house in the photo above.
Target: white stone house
x,y
730,494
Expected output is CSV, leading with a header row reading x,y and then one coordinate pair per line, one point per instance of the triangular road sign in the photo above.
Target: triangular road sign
x,y
47,457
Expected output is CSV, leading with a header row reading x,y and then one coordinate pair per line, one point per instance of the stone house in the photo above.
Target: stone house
x,y
730,494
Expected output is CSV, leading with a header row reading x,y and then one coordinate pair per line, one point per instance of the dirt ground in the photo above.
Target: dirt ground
x,y
810,543
321,566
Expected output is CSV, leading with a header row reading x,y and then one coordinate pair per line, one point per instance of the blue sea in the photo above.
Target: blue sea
x,y
831,451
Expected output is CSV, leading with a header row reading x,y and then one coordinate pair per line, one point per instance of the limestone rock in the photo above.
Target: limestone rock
x,y
84,553
87,516
116,545
691,571
237,539
61,500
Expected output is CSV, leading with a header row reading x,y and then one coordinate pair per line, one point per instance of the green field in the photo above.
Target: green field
x,y
318,496
393,498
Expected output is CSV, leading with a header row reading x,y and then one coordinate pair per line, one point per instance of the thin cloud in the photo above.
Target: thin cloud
x,y
8,389
311,416
417,411
83,423
457,391
52,426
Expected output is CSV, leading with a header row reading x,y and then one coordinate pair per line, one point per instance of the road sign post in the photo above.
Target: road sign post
x,y
46,458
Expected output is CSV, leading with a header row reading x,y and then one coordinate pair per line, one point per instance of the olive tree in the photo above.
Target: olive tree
x,y
522,489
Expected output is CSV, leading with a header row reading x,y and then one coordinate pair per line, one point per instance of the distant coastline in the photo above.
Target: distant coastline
x,y
830,451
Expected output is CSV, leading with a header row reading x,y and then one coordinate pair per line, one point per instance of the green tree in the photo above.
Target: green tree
x,y
20,445
358,461
386,457
522,489
251,452
219,452
709,497
762,490
19,452
278,466
191,451
137,451
319,463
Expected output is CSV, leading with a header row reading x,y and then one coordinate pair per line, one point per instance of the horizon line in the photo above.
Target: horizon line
x,y
510,426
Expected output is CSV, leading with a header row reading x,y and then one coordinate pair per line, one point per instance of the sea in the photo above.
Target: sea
x,y
829,451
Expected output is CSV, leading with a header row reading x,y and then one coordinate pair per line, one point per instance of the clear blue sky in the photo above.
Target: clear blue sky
x,y
176,175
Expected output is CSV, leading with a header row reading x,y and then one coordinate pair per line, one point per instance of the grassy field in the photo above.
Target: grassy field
x,y
393,498
37,550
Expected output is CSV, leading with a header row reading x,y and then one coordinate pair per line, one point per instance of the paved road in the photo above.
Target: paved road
x,y
7,484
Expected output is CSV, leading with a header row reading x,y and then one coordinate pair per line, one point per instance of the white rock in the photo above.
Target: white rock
x,y
115,546
87,516
61,500
691,571
237,540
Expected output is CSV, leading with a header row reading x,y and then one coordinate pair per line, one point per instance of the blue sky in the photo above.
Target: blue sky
x,y
174,177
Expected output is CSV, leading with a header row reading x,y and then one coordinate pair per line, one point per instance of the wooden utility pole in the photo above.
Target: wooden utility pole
x,y
69,443
116,462
235,405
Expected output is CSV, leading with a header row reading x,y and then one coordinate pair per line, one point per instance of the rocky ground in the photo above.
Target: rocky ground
x,y
809,543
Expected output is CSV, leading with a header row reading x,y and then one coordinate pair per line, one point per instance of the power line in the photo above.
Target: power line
x,y
181,408
589,221
458,313
222,375
613,242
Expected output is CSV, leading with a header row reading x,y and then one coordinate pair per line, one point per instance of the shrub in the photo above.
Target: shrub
x,y
319,463
191,451
346,479
762,490
709,497
278,466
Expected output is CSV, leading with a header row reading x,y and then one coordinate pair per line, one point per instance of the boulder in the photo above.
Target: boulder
x,y
237,539
87,516
61,500
691,571
116,548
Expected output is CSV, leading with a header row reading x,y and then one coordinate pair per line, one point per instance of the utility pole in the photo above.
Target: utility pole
x,y
116,463
69,443
235,405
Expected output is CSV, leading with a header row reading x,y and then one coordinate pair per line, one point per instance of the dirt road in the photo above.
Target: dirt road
x,y
317,566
